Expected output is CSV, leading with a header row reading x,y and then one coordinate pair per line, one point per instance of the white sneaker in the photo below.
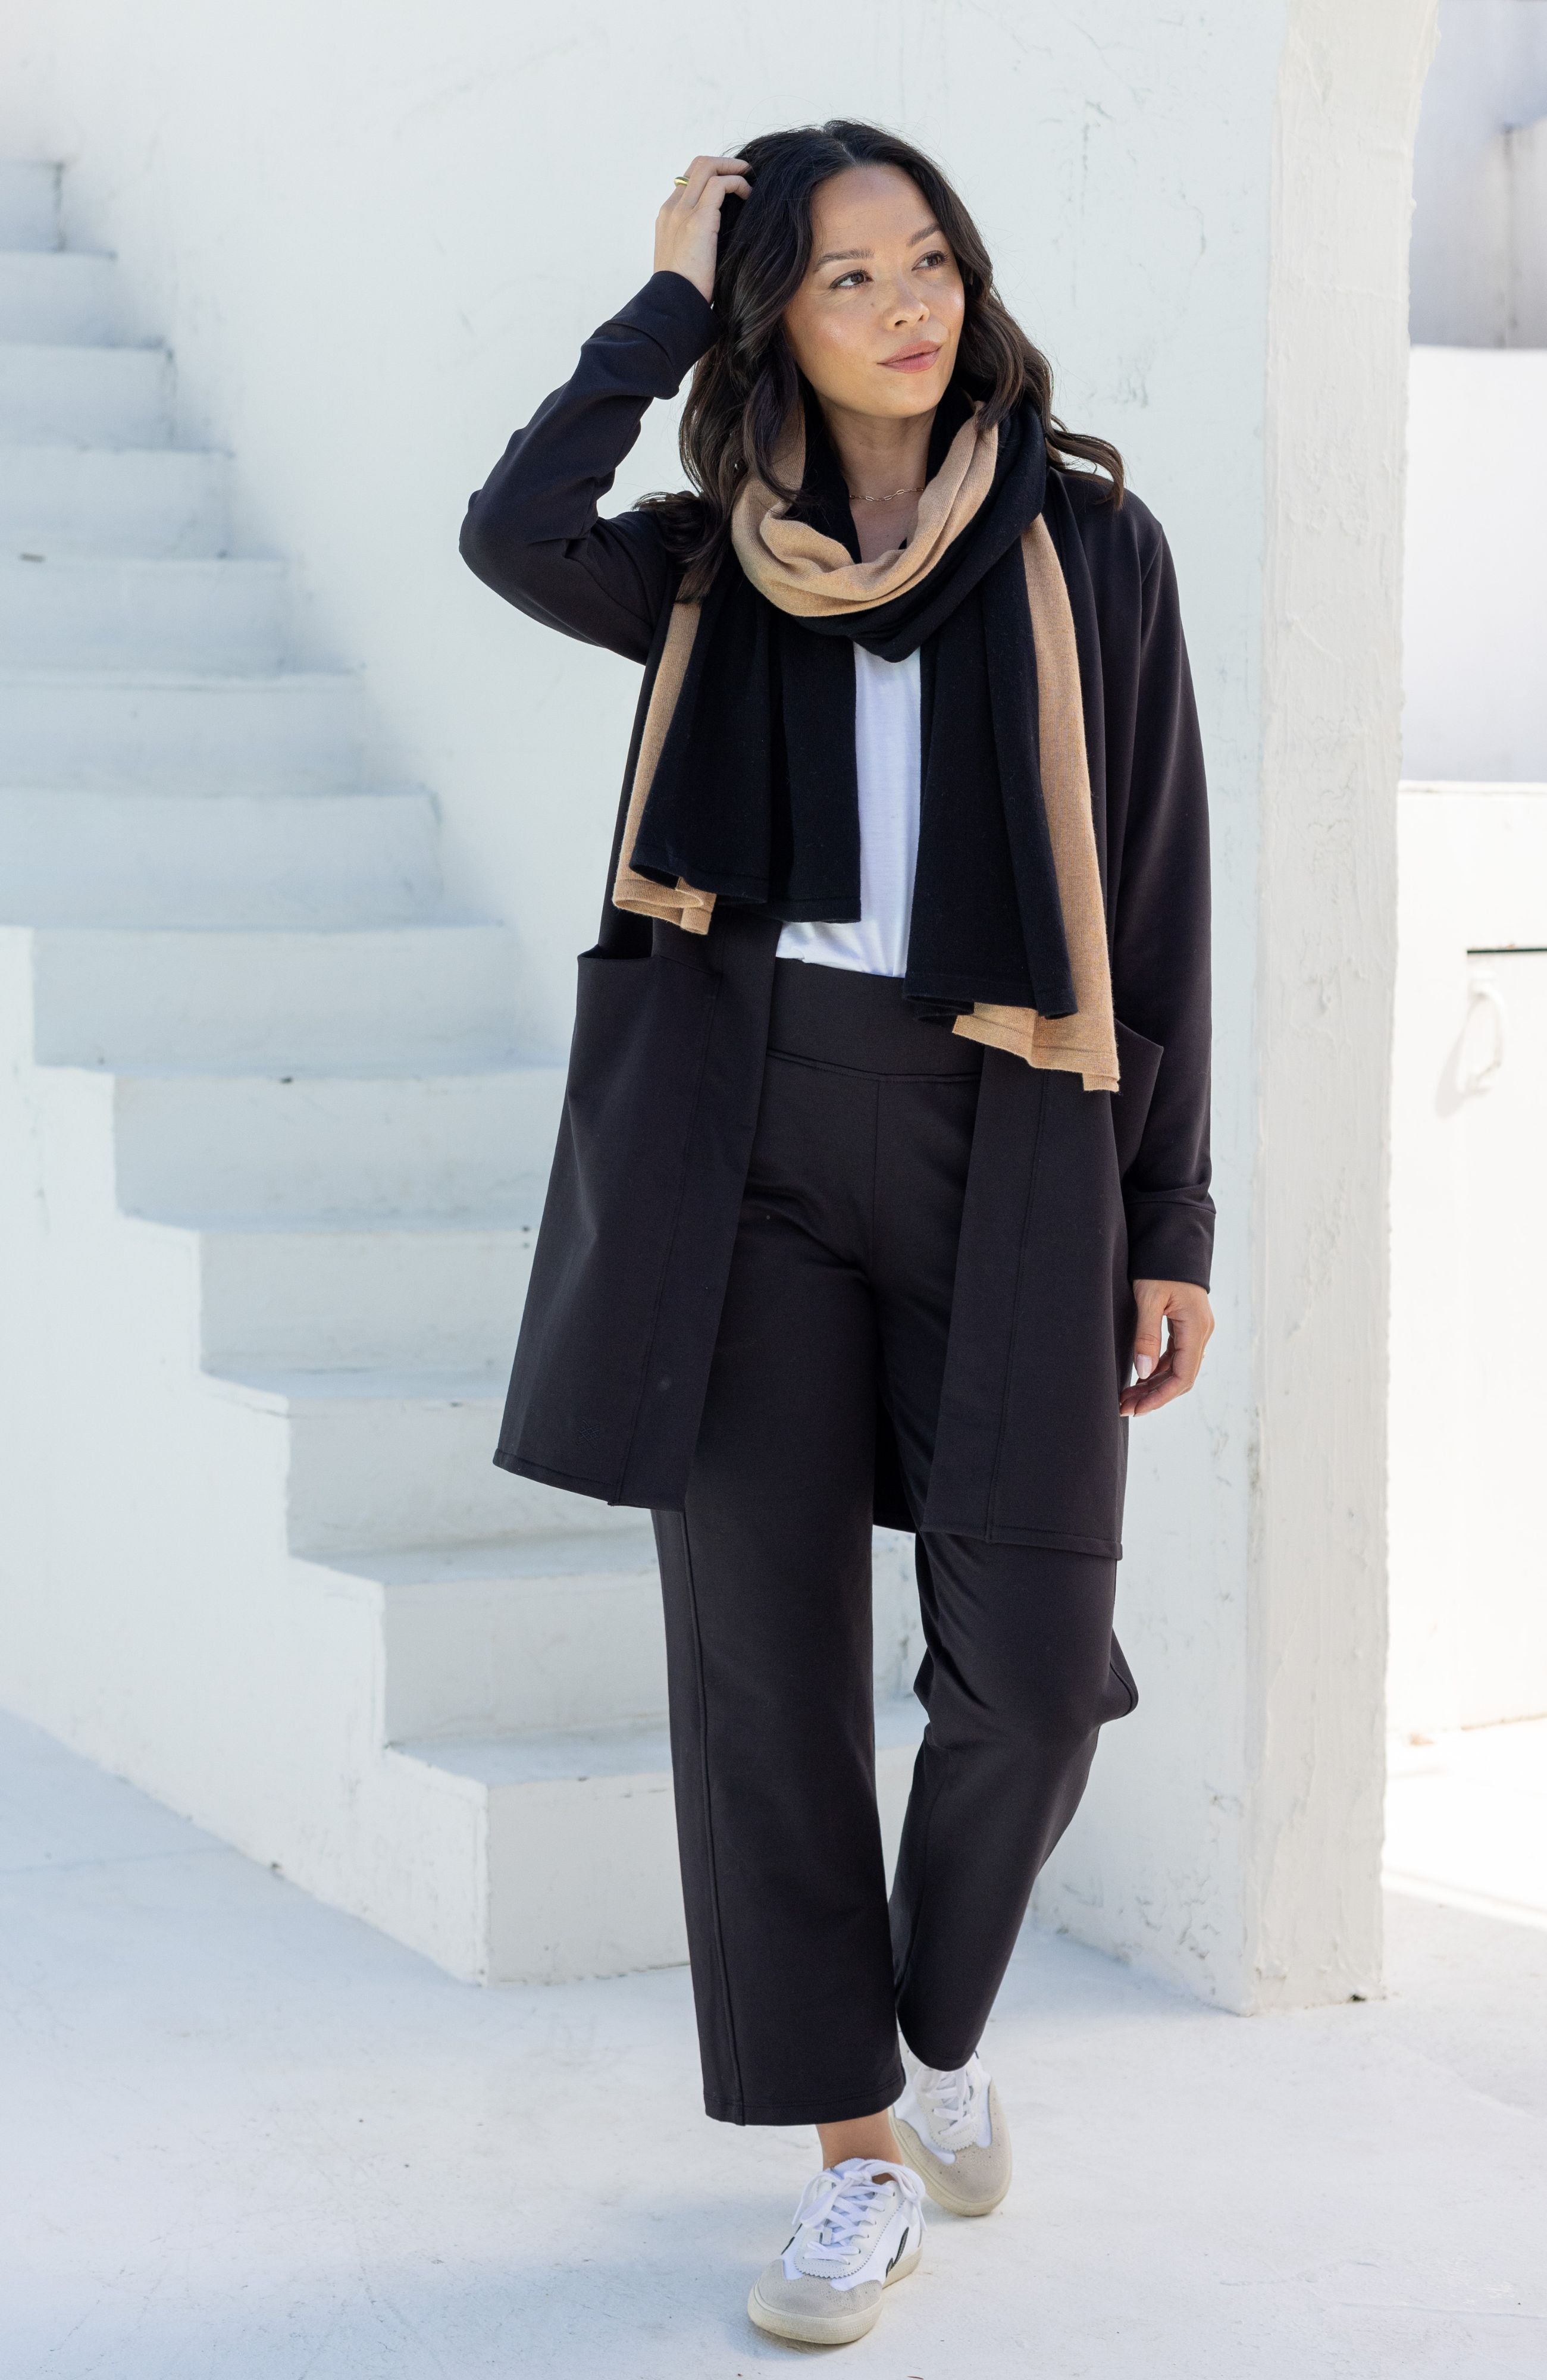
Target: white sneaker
x,y
951,2128
860,2226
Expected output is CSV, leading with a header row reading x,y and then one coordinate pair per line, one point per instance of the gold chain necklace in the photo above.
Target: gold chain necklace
x,y
889,498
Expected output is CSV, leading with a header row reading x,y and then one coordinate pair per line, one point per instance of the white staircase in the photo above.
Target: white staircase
x,y
271,1159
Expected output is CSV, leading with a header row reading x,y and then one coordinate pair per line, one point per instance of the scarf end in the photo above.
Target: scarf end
x,y
1023,1034
679,904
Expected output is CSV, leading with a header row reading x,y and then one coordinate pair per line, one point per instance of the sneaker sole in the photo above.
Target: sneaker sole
x,y
832,2329
937,2176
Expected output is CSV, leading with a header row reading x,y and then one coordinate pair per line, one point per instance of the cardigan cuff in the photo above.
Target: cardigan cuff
x,y
676,317
1170,1240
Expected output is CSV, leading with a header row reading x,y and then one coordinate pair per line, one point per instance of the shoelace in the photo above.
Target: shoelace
x,y
843,2208
954,2101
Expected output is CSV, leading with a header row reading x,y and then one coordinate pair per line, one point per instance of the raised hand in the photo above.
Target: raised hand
x,y
687,227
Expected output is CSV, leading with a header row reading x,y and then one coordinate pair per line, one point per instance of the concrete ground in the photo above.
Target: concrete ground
x,y
245,2138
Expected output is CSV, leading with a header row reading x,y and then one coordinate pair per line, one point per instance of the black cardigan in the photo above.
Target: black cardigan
x,y
664,1079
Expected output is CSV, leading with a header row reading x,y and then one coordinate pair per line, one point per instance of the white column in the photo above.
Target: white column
x,y
1348,97
1252,1872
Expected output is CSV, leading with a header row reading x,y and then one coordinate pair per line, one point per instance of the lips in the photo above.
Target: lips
x,y
913,359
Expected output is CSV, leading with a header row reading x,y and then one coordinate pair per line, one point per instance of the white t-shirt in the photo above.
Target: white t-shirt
x,y
886,696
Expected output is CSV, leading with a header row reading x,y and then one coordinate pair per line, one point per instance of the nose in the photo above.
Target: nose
x,y
908,304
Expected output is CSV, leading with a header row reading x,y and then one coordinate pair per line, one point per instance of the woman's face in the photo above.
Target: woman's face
x,y
875,324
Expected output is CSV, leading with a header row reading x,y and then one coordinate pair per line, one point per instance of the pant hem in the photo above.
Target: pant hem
x,y
944,2065
807,2111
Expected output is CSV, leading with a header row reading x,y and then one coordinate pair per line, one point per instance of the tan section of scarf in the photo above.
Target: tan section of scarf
x,y
813,577
1085,1043
679,904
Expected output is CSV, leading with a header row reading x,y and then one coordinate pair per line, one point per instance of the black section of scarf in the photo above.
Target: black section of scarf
x,y
755,797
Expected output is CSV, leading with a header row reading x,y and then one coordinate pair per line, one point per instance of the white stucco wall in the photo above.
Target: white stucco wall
x,y
1475,595
375,238
1469,243
1468,1567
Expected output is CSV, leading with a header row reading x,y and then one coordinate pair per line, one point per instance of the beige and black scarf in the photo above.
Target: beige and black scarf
x,y
745,789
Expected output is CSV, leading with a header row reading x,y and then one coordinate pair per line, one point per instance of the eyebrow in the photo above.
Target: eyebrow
x,y
856,255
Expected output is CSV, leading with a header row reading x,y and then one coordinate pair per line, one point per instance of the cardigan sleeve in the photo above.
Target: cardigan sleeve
x,y
533,532
1161,933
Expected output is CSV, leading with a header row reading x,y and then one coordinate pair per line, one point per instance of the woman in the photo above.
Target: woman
x,y
865,1206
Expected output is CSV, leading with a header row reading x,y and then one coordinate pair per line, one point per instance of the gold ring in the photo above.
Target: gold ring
x,y
681,181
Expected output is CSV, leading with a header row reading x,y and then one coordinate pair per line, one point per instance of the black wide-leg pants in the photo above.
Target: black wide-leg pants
x,y
840,1288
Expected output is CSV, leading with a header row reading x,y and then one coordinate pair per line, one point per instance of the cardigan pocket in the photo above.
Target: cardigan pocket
x,y
1138,1065
636,1065
1122,1688
636,1021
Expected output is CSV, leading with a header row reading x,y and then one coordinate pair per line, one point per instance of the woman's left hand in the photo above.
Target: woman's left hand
x,y
1162,1376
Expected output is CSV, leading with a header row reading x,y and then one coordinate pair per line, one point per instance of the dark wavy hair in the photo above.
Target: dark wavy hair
x,y
743,390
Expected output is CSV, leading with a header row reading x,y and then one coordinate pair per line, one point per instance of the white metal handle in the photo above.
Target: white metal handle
x,y
1485,996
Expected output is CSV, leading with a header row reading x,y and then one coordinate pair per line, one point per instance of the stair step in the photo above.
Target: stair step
x,y
29,204
562,1756
577,1838
294,730
85,397
294,1073
634,1748
58,298
125,857
581,1840
445,1297
146,500
217,1148
398,1459
115,613
289,997
525,1634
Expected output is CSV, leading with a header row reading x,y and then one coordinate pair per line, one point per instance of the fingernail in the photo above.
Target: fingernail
x,y
1144,1366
